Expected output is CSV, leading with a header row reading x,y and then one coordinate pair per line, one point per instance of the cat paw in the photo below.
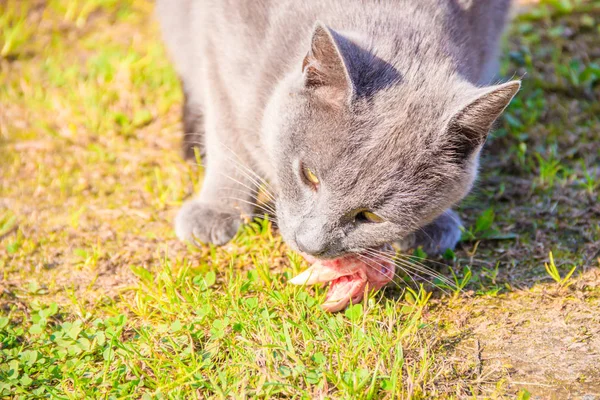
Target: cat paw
x,y
435,238
199,222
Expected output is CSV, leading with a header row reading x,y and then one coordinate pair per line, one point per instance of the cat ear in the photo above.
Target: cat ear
x,y
470,126
323,68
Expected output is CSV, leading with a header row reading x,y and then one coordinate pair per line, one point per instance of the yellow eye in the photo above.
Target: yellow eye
x,y
368,216
310,176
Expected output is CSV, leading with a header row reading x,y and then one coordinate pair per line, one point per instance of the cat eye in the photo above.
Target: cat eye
x,y
310,176
368,216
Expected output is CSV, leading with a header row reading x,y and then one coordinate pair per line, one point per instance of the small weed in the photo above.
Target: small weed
x,y
459,282
484,229
492,274
14,28
552,270
8,223
523,395
522,155
548,170
590,183
491,287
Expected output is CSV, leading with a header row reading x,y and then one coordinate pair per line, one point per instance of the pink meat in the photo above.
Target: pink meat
x,y
348,277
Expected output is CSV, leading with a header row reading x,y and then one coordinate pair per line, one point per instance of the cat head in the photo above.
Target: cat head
x,y
366,153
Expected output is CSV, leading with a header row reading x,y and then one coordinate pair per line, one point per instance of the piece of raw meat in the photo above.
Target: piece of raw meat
x,y
348,277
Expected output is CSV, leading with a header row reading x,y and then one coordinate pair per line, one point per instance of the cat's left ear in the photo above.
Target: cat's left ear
x,y
324,69
470,126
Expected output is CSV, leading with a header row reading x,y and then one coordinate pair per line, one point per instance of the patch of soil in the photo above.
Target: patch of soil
x,y
545,340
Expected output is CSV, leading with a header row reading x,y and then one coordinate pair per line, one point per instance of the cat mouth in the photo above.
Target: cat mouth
x,y
349,277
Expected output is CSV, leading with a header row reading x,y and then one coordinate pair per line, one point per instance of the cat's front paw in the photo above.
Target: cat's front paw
x,y
435,238
206,223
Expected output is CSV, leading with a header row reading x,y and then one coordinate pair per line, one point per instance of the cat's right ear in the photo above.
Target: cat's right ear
x,y
470,126
324,69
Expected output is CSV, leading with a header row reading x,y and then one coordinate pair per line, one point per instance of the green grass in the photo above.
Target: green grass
x,y
98,299
193,335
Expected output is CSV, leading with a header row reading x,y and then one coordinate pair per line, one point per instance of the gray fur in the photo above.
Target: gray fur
x,y
386,101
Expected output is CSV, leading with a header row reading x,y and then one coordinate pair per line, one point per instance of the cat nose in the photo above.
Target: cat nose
x,y
311,245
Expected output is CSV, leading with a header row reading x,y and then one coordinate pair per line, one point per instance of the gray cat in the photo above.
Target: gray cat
x,y
366,117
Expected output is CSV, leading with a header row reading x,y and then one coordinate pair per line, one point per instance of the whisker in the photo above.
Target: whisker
x,y
433,272
410,257
441,278
412,271
253,176
252,192
407,272
415,267
377,258
260,207
425,270
369,259
253,216
257,203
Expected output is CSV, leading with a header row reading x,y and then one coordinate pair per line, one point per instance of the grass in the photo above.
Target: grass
x,y
98,298
553,272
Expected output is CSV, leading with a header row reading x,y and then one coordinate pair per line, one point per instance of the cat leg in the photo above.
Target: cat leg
x,y
228,191
193,125
441,234
227,196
